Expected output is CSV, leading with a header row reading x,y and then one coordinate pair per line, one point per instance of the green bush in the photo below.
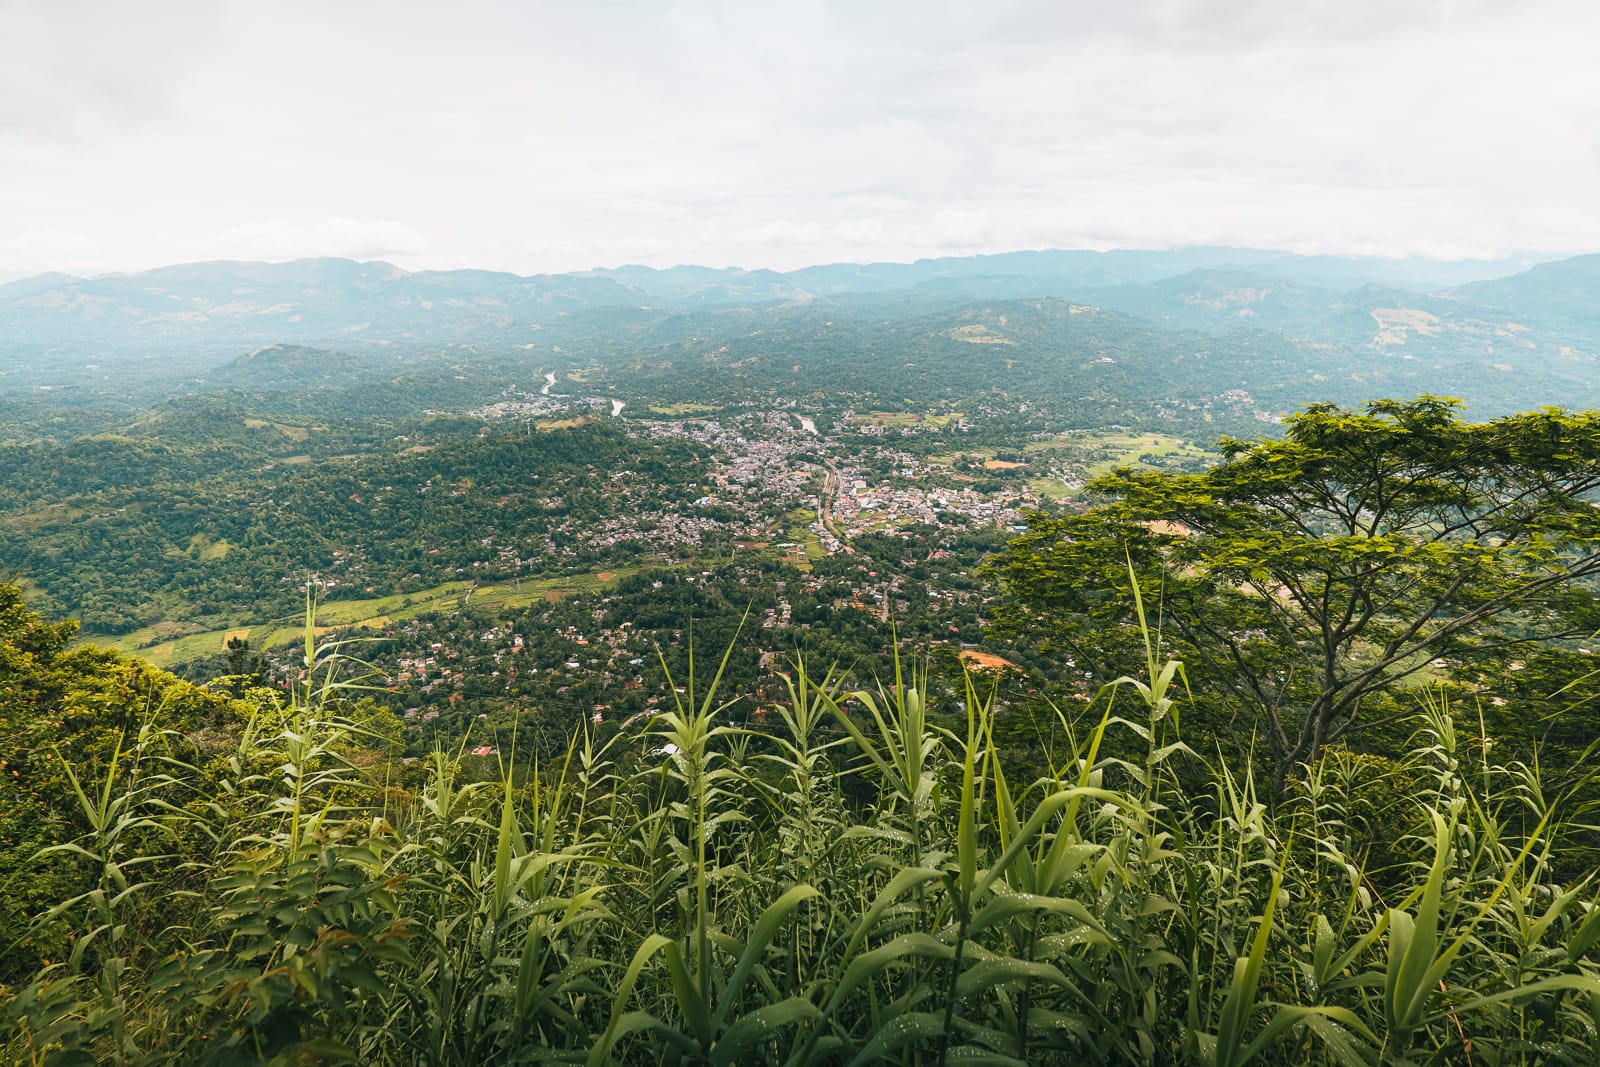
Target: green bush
x,y
865,883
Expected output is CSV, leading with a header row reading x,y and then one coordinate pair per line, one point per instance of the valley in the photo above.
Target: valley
x,y
831,461
808,535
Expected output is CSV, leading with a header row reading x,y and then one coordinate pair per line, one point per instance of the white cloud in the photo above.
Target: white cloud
x,y
31,251
596,249
350,238
548,137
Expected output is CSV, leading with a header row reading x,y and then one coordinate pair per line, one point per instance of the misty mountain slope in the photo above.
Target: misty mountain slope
x,y
241,304
1237,319
1103,364
1221,298
297,367
1558,297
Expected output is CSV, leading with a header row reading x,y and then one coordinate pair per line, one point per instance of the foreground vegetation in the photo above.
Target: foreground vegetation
x,y
1310,580
867,880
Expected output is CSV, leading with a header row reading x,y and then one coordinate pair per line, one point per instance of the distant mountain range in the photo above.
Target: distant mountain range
x,y
159,329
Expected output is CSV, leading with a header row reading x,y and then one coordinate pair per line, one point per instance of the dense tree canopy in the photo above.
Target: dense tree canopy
x,y
66,712
1308,578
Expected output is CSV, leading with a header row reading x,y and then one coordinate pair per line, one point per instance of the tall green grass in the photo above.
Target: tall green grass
x,y
864,882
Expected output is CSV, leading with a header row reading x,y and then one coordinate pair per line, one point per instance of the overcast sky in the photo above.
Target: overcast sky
x,y
540,137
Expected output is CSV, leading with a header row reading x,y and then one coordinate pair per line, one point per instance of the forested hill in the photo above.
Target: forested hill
x,y
138,528
1501,336
319,298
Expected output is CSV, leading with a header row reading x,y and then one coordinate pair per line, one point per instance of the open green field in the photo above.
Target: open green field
x,y
1052,489
1104,452
906,419
293,433
1124,450
168,644
672,410
562,424
800,532
986,456
26,522
203,548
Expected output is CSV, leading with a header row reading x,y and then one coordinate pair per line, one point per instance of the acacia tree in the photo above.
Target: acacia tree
x,y
1304,579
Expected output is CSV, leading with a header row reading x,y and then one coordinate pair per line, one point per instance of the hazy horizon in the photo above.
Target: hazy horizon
x,y
1511,262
